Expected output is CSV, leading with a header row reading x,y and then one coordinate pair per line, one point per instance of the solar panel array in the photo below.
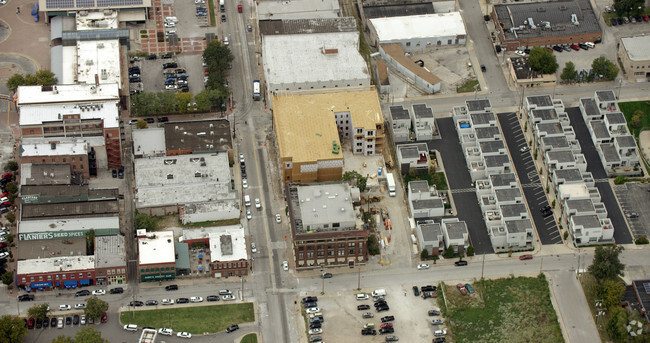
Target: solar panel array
x,y
117,3
59,3
52,4
85,3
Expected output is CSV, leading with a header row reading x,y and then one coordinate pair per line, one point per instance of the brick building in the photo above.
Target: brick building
x,y
110,260
76,110
546,23
228,256
55,272
324,228
156,256
52,150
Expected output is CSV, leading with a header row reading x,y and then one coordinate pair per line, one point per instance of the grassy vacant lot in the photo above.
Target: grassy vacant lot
x,y
197,320
468,87
250,338
504,310
628,108
437,179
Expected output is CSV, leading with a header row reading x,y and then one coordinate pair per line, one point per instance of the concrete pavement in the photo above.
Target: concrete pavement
x,y
572,308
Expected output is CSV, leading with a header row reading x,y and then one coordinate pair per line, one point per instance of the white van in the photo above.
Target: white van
x,y
590,45
247,200
131,327
378,292
225,292
171,20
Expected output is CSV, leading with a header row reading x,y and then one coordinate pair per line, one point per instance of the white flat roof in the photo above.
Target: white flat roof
x,y
297,9
92,141
45,149
205,232
574,190
157,247
68,64
228,244
96,20
55,264
98,57
76,224
149,142
638,47
300,58
74,93
182,179
391,29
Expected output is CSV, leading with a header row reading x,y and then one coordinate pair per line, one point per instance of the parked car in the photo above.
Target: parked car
x,y
392,338
196,299
117,290
460,263
285,265
228,297
165,331
368,332
99,292
278,219
310,305
171,288
423,266
416,291
212,298
428,288
53,322
182,300
26,297
316,310
362,296
151,302
104,317
232,328
363,307
75,319
387,319
386,330
46,322
82,293
60,323
368,315
433,313
439,340
137,303
79,306
326,276
437,322
441,332
526,257
184,335
64,307
30,323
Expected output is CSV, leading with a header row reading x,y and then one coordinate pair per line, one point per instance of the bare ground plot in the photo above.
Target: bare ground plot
x,y
343,322
503,310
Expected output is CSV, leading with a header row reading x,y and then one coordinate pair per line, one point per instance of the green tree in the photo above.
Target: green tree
x,y
569,72
90,242
8,278
542,60
95,307
435,258
208,99
606,68
39,311
218,59
449,252
616,327
42,77
183,100
167,102
624,8
361,181
63,339
606,265
637,118
10,217
11,166
12,329
141,124
424,255
470,251
611,292
144,221
144,104
11,187
89,335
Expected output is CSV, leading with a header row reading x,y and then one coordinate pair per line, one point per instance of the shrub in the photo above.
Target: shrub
x,y
642,240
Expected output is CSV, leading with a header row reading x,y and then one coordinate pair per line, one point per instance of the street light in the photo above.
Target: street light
x,y
620,83
322,278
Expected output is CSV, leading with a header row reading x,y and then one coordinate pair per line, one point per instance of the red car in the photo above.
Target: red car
x,y
30,323
239,9
645,17
386,325
104,317
575,47
526,257
7,175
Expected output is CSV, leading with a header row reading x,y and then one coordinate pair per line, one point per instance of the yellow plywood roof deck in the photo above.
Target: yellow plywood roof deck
x,y
305,124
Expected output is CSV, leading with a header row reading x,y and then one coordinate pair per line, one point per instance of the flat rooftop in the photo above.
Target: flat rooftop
x,y
156,247
97,20
297,9
626,141
637,47
421,111
556,142
430,231
558,15
574,190
228,245
507,194
182,179
487,132
305,124
394,29
54,149
427,203
110,251
544,114
456,230
55,264
398,10
586,221
83,209
609,153
198,136
590,107
37,249
491,146
205,232
149,142
399,113
412,150
325,203
476,105
483,118
45,174
569,175
550,128
600,129
307,26
562,156
519,225
501,180
75,227
419,186
59,94
312,59
539,100
616,117
513,210
39,194
605,96
581,205
98,58
496,160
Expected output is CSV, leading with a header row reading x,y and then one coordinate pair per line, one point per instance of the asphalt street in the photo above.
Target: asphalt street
x,y
547,229
460,184
622,233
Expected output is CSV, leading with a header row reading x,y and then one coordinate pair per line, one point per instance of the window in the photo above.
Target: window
x,y
301,255
330,253
49,277
40,278
341,252
81,159
24,280
310,254
408,43
341,245
351,252
351,244
321,247
64,276
57,276
89,274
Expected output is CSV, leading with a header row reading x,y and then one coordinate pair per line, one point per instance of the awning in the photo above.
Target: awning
x,y
85,282
41,284
70,284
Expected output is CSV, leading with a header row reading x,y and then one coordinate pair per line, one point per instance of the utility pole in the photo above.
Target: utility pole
x,y
358,276
482,267
242,287
323,279
540,264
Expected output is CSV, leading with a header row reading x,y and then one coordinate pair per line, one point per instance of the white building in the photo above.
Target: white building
x,y
419,32
197,187
156,255
424,201
413,157
313,61
430,237
400,123
149,142
297,9
228,253
455,233
424,123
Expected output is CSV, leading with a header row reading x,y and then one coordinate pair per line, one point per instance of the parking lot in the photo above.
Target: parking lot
x,y
153,79
343,322
634,198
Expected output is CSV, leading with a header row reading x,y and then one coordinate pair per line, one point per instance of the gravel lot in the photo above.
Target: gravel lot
x,y
343,322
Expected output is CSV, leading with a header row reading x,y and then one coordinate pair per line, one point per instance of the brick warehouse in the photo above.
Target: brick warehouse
x,y
546,23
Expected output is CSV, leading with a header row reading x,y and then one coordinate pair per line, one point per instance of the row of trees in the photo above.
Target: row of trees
x,y
42,77
543,61
153,103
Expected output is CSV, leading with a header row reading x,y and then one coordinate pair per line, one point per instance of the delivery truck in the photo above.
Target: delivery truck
x,y
391,184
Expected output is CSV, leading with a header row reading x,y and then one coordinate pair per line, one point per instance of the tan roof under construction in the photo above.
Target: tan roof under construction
x,y
305,125
396,51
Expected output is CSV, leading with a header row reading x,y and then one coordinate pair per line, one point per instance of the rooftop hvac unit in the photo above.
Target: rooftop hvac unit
x,y
100,45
